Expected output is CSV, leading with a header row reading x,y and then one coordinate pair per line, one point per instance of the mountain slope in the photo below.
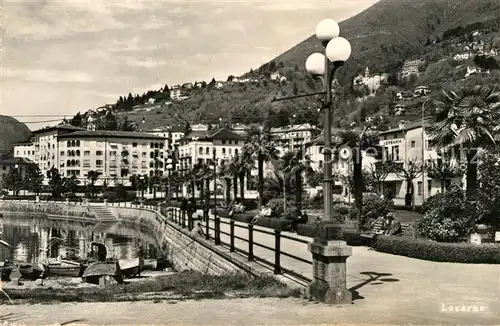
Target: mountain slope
x,y
390,31
11,132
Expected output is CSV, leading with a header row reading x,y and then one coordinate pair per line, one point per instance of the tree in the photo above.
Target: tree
x,y
126,125
77,120
56,182
261,143
443,169
92,176
358,142
467,118
295,90
377,172
110,122
33,178
187,128
408,171
70,184
13,181
294,164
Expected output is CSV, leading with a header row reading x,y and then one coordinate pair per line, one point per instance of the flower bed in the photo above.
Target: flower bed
x,y
439,251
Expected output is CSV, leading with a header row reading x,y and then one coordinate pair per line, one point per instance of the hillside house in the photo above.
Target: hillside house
x,y
421,91
410,67
403,96
151,100
373,82
187,86
198,85
399,109
472,71
175,87
463,56
219,85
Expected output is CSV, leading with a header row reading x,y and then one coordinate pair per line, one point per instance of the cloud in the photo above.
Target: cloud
x,y
49,76
93,51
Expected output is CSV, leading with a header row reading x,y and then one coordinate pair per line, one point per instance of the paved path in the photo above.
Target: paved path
x,y
269,311
395,281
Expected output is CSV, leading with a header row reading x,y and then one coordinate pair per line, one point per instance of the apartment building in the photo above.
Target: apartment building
x,y
199,146
43,149
116,155
75,151
293,137
401,146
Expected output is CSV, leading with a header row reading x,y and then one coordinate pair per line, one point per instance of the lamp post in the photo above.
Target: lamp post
x,y
328,249
423,149
169,169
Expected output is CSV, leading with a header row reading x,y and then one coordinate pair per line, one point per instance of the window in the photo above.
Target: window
x,y
61,153
86,163
223,142
236,152
144,154
86,153
207,151
98,163
200,150
419,188
134,144
429,187
413,143
223,151
395,153
98,153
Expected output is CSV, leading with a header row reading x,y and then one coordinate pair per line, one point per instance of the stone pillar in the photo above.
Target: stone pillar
x,y
37,199
329,253
67,201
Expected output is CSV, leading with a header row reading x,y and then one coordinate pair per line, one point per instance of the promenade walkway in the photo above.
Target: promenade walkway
x,y
390,280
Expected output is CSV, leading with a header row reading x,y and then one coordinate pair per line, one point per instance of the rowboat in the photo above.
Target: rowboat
x,y
66,268
29,272
131,267
150,265
96,272
5,270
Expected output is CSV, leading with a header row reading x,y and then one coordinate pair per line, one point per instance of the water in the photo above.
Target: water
x,y
35,238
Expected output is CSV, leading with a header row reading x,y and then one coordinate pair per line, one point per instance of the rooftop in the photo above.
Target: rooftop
x,y
110,134
15,160
219,134
58,127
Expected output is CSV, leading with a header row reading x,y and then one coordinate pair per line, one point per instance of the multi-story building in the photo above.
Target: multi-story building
x,y
293,137
403,146
7,164
116,155
44,149
373,82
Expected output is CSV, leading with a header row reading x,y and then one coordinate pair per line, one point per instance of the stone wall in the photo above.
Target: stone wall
x,y
180,246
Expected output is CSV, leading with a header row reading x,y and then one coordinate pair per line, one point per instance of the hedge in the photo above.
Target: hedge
x,y
439,251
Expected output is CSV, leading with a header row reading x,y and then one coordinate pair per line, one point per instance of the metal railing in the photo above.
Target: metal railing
x,y
185,220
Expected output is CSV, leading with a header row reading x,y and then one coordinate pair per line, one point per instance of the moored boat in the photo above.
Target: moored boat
x,y
67,268
102,270
131,267
5,270
30,272
150,265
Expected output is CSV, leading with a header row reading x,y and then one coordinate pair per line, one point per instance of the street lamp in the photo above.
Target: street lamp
x,y
337,50
423,148
329,252
169,169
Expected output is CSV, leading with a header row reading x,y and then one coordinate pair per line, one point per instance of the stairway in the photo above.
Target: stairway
x,y
103,213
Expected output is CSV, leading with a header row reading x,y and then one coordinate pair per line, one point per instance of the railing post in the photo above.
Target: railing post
x,y
277,252
217,230
207,227
183,222
250,242
231,235
190,221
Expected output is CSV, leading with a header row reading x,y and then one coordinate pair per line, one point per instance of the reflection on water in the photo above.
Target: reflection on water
x,y
35,239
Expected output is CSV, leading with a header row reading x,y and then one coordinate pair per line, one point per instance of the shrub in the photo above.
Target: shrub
x,y
373,208
439,251
341,209
276,206
449,217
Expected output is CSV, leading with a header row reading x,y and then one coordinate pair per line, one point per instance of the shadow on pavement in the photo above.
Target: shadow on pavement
x,y
374,278
10,317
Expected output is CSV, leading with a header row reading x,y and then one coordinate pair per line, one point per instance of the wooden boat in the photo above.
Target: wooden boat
x,y
150,265
30,272
131,267
5,270
95,273
67,268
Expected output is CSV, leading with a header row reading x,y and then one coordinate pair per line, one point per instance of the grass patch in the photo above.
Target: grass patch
x,y
181,286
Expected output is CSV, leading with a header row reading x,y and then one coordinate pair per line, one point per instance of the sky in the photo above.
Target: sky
x,y
62,57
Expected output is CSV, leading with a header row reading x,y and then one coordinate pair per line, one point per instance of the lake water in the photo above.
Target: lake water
x,y
35,238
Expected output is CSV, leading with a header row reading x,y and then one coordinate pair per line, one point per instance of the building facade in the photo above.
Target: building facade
x,y
403,146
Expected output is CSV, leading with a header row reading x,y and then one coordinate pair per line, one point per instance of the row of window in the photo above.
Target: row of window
x,y
206,151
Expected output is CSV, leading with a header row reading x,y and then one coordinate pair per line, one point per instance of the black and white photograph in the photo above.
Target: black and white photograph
x,y
253,162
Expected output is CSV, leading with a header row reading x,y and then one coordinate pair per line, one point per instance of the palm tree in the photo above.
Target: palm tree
x,y
260,141
226,173
92,176
358,142
467,118
293,164
241,166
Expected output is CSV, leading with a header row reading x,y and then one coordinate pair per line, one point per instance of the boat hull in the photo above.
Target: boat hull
x,y
29,272
95,272
131,267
